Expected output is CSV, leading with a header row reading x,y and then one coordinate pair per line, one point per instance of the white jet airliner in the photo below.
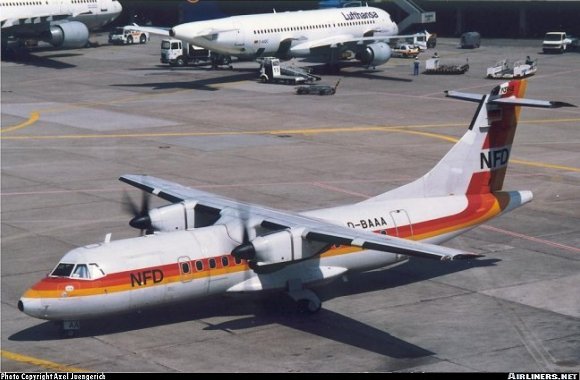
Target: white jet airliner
x,y
62,23
331,36
204,244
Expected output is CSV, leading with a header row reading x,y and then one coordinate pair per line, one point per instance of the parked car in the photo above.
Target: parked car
x,y
405,51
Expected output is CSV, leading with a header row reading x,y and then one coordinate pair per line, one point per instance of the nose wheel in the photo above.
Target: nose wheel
x,y
69,328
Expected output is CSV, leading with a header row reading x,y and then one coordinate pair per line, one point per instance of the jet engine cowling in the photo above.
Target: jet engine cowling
x,y
375,54
71,34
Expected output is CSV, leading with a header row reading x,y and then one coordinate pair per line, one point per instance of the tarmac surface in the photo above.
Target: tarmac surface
x,y
74,121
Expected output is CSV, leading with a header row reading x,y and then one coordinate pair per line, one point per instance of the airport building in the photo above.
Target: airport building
x,y
449,18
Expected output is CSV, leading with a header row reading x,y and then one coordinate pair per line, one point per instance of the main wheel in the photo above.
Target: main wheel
x,y
308,306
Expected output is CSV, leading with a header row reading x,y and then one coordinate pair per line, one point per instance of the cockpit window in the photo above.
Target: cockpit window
x,y
81,271
62,270
95,271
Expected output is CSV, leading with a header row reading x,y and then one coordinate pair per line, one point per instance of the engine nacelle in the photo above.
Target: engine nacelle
x,y
71,34
278,247
375,54
174,217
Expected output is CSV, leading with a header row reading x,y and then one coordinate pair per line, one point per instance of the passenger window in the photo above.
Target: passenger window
x,y
225,261
185,268
238,260
212,263
81,271
199,265
62,270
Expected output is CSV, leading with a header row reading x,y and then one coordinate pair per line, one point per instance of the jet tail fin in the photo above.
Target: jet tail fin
x,y
477,163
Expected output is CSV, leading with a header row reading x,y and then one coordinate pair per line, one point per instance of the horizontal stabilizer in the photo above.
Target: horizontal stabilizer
x,y
464,96
508,101
532,103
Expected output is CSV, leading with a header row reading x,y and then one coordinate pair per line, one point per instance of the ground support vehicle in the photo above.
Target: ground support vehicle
x,y
433,66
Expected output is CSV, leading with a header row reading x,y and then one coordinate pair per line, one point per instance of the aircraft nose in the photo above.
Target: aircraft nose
x,y
32,307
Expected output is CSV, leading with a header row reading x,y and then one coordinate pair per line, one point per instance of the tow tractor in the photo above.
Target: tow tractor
x,y
317,89
272,71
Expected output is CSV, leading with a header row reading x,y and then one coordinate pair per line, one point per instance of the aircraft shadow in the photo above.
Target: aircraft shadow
x,y
202,84
47,61
260,310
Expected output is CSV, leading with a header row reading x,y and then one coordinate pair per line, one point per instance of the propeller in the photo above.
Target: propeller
x,y
246,250
141,219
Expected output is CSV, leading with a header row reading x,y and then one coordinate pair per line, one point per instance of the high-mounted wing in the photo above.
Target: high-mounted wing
x,y
315,230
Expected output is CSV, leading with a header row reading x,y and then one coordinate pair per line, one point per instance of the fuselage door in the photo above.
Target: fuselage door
x,y
239,41
403,226
185,269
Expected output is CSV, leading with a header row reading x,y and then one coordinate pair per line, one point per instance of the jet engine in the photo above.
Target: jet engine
x,y
71,34
375,54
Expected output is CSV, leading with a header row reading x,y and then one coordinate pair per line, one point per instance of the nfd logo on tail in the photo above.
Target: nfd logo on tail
x,y
494,158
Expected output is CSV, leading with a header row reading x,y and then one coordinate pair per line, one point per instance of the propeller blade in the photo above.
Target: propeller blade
x,y
141,219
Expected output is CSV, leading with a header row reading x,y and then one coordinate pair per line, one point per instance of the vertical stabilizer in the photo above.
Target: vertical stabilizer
x,y
477,163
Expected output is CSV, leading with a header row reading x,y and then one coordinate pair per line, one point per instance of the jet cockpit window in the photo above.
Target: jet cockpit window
x,y
62,270
81,271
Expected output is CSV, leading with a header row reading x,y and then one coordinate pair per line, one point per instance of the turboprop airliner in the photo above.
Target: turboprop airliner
x,y
62,23
204,244
332,36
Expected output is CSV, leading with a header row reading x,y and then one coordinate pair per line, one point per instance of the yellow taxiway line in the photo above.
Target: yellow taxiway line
x,y
313,131
34,116
40,362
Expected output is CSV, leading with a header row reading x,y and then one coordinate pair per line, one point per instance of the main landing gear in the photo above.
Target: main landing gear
x,y
306,300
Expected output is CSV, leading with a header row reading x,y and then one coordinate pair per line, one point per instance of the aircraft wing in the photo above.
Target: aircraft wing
x,y
193,34
345,39
9,22
312,229
158,31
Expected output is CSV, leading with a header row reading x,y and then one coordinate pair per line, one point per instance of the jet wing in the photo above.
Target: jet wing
x,y
193,34
312,229
345,39
38,18
158,31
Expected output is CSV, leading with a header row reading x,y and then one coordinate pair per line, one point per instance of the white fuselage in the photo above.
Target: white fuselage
x,y
92,13
168,267
267,34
